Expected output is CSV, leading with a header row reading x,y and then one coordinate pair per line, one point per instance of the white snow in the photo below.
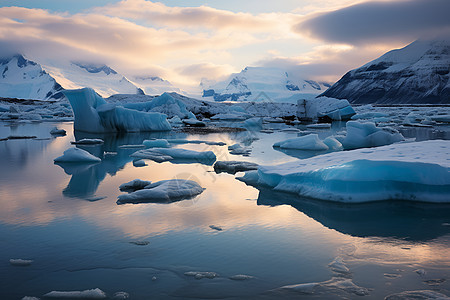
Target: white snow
x,y
77,155
360,135
164,191
167,154
87,294
20,262
307,142
417,171
93,114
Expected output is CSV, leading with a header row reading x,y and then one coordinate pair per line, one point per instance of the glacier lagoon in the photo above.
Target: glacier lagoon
x,y
231,241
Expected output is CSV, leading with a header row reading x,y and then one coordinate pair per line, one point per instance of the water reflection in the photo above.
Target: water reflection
x,y
400,220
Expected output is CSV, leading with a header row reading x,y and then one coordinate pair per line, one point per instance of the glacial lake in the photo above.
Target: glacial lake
x,y
65,219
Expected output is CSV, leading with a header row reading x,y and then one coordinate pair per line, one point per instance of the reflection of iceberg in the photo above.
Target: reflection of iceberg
x,y
408,171
93,114
403,220
85,179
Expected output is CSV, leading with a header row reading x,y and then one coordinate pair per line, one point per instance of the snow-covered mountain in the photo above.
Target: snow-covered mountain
x,y
104,80
24,79
417,73
153,85
263,84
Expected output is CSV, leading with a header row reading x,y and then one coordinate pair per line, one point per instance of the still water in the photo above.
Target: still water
x,y
65,218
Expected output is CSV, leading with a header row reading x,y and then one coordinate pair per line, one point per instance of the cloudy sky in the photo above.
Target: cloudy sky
x,y
185,41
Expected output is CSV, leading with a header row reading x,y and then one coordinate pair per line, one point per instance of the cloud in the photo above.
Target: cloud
x,y
364,23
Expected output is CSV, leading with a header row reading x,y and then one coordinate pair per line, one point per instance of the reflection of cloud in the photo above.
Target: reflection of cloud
x,y
384,21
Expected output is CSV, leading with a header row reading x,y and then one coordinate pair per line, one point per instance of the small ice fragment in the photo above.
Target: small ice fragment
x,y
215,227
421,272
391,275
134,185
88,142
338,266
140,243
435,282
139,163
302,288
21,137
445,224
161,143
56,131
121,296
94,199
319,126
20,262
201,275
131,146
233,167
154,278
30,298
309,142
241,277
77,155
87,294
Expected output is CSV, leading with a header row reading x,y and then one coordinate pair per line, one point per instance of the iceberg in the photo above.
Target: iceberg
x,y
362,135
77,155
165,191
307,142
93,114
416,171
176,154
326,108
157,143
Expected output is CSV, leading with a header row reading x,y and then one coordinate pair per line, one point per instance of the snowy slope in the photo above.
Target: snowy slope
x,y
104,80
153,85
417,73
25,79
262,84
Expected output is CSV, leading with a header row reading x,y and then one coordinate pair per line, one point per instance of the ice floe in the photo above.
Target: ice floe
x,y
338,266
88,142
93,114
233,167
165,191
307,142
157,143
77,155
241,277
332,286
176,155
87,294
237,149
121,296
56,131
417,171
20,262
201,275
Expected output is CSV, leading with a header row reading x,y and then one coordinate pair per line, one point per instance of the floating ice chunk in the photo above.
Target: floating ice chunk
x,y
30,298
131,146
307,142
87,294
21,137
326,287
77,155
291,130
161,143
93,114
361,135
369,115
230,117
183,155
56,131
193,123
140,243
421,272
134,185
404,171
237,149
121,296
20,262
418,295
201,275
165,191
215,227
185,141
330,108
88,142
338,266
241,277
333,144
253,123
435,282
302,288
233,167
139,163
175,120
319,126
